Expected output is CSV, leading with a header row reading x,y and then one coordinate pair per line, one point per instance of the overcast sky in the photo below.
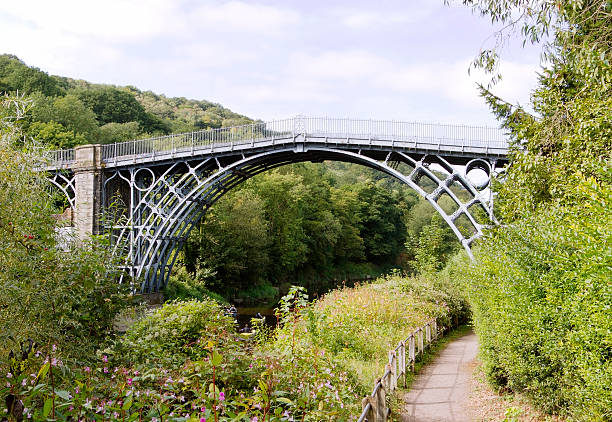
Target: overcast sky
x,y
402,60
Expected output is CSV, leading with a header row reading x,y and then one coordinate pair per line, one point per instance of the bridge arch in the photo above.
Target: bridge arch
x,y
168,201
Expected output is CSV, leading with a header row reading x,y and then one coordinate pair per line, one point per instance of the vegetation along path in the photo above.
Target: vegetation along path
x,y
442,388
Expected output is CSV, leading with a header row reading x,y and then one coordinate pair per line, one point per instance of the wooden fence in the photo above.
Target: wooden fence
x,y
402,357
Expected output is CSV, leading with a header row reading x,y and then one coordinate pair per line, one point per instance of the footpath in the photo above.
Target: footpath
x,y
441,390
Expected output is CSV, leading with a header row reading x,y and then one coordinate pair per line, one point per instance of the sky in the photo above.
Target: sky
x,y
271,59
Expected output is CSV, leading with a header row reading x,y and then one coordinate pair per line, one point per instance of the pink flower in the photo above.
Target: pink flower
x,y
104,358
105,370
221,396
202,409
129,382
87,369
202,419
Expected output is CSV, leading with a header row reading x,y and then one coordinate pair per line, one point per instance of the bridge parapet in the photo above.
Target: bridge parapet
x,y
450,138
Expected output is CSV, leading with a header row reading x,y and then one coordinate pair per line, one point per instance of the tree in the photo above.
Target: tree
x,y
232,242
15,75
114,105
55,135
540,290
69,111
46,294
381,223
119,132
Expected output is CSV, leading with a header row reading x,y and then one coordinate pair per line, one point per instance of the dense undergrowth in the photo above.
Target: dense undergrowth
x,y
541,291
541,297
185,361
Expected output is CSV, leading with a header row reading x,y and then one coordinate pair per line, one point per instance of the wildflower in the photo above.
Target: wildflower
x,y
87,369
202,409
254,419
221,396
129,382
54,347
104,358
24,382
105,370
202,419
9,375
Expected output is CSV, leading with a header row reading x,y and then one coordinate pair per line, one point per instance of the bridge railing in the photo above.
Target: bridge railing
x,y
59,158
426,133
401,359
390,129
203,138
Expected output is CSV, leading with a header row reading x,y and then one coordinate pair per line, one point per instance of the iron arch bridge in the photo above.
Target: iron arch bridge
x,y
165,185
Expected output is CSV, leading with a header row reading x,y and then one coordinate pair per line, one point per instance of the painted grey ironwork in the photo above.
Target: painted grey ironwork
x,y
165,185
64,181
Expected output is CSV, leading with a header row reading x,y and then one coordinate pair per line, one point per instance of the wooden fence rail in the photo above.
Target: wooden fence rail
x,y
374,406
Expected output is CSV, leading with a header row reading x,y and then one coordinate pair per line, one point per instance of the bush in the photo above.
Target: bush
x,y
176,332
356,327
48,296
183,285
541,297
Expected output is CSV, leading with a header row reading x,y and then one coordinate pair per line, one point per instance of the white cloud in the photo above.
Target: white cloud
x,y
111,20
237,16
263,58
364,19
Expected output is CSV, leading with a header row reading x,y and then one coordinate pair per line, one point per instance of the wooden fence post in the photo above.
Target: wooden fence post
x,y
393,370
378,410
402,361
412,351
421,348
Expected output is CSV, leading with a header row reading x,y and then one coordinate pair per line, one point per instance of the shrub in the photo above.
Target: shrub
x,y
176,332
541,296
48,295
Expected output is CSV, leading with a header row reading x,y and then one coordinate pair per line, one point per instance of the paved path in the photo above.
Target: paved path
x,y
443,386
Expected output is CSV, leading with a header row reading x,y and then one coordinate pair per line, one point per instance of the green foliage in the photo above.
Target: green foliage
x,y
540,292
541,305
119,132
48,295
114,105
175,332
355,327
69,111
434,246
104,113
185,285
55,135
16,76
297,224
381,225
183,115
232,242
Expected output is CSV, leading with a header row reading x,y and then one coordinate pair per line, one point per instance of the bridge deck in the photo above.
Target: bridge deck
x,y
450,140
